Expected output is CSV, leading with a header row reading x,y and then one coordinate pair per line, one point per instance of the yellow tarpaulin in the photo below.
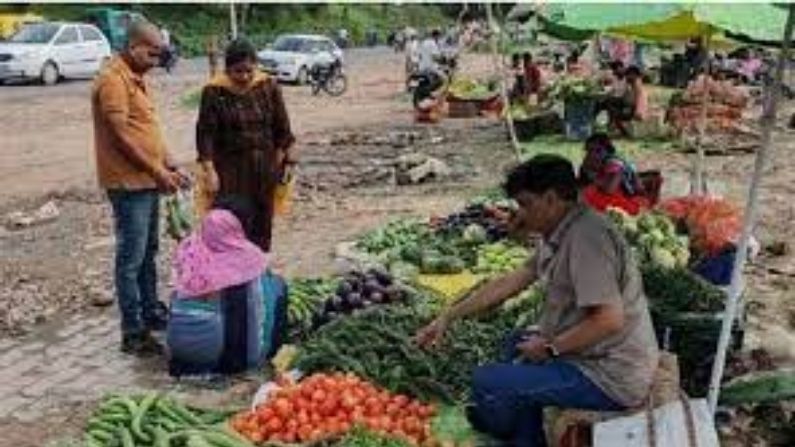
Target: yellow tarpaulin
x,y
450,287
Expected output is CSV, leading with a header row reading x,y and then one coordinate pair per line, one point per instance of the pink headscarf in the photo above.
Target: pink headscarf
x,y
216,256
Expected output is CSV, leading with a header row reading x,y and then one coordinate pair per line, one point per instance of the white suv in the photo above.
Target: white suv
x,y
291,57
49,51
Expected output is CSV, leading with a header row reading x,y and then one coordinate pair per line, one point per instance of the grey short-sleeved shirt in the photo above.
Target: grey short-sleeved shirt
x,y
587,262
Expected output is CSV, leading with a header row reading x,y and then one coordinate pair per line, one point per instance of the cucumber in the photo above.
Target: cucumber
x,y
101,425
161,437
224,439
126,437
137,430
100,436
186,415
764,387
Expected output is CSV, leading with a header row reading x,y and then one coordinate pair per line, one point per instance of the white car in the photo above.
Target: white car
x,y
291,57
49,51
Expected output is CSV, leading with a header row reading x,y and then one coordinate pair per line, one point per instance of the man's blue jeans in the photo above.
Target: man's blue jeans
x,y
509,398
136,216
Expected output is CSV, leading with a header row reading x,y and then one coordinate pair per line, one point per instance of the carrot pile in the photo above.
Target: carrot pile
x,y
326,406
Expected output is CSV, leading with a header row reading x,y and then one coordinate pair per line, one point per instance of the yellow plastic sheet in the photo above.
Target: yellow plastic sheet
x,y
450,287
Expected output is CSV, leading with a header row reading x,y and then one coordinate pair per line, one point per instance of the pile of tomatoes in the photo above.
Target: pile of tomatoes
x,y
326,406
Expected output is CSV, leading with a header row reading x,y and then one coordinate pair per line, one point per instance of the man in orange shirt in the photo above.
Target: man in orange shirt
x,y
132,167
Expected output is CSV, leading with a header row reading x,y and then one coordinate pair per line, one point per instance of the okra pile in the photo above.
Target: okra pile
x,y
378,345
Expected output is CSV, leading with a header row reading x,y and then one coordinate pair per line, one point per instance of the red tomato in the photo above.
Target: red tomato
x,y
400,400
283,407
305,432
274,425
392,409
318,395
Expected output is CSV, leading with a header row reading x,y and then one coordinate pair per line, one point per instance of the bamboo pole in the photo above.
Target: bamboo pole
x,y
699,186
499,68
768,121
232,20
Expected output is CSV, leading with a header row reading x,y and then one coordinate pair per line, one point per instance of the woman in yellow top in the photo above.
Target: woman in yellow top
x,y
243,136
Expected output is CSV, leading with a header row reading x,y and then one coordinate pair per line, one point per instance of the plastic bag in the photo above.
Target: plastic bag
x,y
282,197
713,224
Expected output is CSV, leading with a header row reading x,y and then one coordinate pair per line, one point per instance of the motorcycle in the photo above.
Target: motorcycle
x,y
328,77
168,58
422,84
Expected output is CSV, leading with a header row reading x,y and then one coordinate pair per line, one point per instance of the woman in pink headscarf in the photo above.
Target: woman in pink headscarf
x,y
217,314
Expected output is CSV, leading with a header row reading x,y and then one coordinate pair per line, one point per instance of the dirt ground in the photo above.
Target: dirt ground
x,y
46,152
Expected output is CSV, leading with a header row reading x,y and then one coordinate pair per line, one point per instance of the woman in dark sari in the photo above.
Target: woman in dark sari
x,y
243,136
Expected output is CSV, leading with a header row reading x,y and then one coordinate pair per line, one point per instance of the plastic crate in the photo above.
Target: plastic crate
x,y
458,108
693,337
578,118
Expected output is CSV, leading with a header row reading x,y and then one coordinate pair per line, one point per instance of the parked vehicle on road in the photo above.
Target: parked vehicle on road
x,y
113,23
11,22
328,77
50,51
292,56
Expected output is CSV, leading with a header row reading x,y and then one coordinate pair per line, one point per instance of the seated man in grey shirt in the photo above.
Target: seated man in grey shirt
x,y
594,348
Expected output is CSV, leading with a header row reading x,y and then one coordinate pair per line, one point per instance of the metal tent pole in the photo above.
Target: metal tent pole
x,y
232,20
700,184
768,121
499,67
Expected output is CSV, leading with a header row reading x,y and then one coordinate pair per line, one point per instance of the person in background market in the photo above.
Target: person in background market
x,y
412,57
594,347
519,90
134,168
243,136
627,101
574,66
608,180
532,75
430,53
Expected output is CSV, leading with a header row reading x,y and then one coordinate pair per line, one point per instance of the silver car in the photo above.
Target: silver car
x,y
292,56
50,51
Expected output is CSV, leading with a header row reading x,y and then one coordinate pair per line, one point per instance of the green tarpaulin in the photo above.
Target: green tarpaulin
x,y
663,21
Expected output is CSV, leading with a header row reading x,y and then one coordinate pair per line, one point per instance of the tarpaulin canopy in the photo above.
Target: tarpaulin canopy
x,y
663,21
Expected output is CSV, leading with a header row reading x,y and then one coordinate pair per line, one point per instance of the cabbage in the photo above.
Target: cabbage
x,y
475,233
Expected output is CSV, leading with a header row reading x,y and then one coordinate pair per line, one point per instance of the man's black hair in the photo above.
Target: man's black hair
x,y
239,50
633,70
242,207
542,173
527,57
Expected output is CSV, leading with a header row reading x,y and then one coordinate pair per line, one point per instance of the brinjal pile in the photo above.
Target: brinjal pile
x,y
360,290
491,218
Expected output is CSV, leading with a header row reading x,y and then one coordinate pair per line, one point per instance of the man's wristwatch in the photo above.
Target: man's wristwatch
x,y
551,350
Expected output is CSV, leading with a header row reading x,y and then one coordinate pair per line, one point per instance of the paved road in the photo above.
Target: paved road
x,y
46,142
187,69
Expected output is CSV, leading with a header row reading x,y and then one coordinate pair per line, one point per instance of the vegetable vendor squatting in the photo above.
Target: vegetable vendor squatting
x,y
594,347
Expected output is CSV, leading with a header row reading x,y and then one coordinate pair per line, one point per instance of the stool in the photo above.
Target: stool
x,y
574,428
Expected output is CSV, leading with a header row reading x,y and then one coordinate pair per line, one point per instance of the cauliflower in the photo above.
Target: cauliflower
x,y
663,258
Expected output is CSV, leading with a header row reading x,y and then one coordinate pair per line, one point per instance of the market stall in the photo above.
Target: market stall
x,y
353,375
